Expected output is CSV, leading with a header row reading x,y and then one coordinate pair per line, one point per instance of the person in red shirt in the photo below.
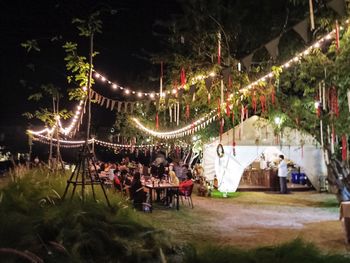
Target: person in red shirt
x,y
186,185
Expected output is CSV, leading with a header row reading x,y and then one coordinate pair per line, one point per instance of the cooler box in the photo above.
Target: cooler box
x,y
303,178
295,178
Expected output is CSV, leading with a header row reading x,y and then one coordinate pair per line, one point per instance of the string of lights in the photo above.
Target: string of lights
x,y
151,94
184,131
188,129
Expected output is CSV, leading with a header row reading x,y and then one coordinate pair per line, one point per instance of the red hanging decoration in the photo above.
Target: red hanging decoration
x,y
263,103
219,48
221,128
219,108
187,111
334,105
273,99
254,102
344,149
228,110
229,81
183,77
157,121
337,35
233,118
246,112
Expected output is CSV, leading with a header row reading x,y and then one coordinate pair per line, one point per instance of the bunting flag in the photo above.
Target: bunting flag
x,y
344,150
302,29
112,105
247,61
337,35
103,101
338,6
272,47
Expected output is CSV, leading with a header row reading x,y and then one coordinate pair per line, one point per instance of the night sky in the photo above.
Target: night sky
x,y
124,43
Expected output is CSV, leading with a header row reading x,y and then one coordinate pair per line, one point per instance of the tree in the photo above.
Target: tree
x,y
193,44
50,117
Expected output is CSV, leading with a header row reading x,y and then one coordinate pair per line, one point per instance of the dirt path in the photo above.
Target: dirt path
x,y
258,219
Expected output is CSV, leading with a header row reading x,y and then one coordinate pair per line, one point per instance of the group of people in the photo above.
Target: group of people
x,y
129,178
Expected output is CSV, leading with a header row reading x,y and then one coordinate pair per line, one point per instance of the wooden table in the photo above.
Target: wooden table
x,y
162,186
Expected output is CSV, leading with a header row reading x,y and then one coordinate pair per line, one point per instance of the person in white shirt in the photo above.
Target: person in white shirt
x,y
282,174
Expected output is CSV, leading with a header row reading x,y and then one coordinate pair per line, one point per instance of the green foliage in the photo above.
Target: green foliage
x,y
33,217
295,251
90,26
31,45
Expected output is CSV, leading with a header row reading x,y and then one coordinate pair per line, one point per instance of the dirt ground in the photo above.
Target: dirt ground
x,y
258,219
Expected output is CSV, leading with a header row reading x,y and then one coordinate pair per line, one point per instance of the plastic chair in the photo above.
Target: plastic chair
x,y
187,194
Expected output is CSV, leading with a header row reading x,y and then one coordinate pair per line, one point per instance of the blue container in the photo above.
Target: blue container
x,y
303,178
295,178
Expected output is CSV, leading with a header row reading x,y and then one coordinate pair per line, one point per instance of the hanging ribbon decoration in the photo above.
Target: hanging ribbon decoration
x,y
221,128
254,102
344,149
337,35
334,106
219,108
157,121
228,110
263,103
219,48
233,134
348,95
161,79
273,96
187,111
183,77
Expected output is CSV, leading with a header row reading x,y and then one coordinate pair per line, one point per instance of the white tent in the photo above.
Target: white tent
x,y
256,136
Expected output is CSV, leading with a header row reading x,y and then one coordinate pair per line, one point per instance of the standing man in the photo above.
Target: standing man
x,y
282,174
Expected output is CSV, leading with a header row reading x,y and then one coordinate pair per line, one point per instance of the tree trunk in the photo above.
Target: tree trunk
x,y
339,179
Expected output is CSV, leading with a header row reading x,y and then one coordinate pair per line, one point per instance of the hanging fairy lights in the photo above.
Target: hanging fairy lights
x,y
189,129
326,38
76,119
184,131
151,94
115,145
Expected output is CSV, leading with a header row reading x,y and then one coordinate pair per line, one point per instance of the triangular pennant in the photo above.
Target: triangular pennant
x,y
126,107
103,101
112,104
272,47
338,6
208,83
119,105
247,61
302,28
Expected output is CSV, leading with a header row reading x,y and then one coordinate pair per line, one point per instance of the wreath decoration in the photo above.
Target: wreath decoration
x,y
220,150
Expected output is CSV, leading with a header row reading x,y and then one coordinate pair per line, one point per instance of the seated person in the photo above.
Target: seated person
x,y
170,192
186,184
117,181
137,193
